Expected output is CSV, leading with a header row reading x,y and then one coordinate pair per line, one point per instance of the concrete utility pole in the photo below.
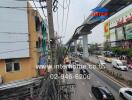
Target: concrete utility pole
x,y
51,31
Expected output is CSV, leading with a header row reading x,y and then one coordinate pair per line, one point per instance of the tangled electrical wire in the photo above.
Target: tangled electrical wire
x,y
55,5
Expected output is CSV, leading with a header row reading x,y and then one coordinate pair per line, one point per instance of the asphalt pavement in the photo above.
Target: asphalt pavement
x,y
125,74
83,86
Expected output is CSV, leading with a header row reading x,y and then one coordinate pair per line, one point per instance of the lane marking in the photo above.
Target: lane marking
x,y
107,76
112,79
90,95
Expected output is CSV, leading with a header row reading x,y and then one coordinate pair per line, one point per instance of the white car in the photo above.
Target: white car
x,y
126,93
101,63
76,62
119,65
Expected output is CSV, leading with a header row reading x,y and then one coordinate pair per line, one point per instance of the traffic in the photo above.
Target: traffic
x,y
99,91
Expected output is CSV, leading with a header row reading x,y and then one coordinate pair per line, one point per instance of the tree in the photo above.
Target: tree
x,y
60,54
107,46
129,53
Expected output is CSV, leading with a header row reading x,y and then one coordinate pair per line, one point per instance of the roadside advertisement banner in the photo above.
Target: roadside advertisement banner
x,y
100,13
128,31
106,29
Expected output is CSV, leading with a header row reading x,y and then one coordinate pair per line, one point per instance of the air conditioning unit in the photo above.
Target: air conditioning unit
x,y
1,80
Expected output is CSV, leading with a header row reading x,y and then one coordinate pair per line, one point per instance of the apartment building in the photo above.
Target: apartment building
x,y
22,41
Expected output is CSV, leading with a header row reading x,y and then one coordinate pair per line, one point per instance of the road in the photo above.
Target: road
x,y
83,86
125,74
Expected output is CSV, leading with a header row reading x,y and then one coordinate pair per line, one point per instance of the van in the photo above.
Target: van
x,y
119,65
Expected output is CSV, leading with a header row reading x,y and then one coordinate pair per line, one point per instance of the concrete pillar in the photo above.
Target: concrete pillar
x,y
75,44
85,47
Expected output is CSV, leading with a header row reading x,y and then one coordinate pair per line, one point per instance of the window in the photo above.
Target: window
x,y
8,67
12,65
119,64
16,67
37,44
129,92
38,24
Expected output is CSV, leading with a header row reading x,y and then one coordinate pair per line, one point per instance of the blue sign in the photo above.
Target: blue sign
x,y
100,13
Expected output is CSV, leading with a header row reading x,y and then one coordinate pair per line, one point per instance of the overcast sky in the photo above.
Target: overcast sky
x,y
78,11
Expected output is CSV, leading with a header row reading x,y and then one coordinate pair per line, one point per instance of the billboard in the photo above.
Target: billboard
x,y
128,31
100,13
14,41
106,29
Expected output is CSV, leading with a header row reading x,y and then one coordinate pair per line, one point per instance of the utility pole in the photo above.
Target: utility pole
x,y
51,32
45,86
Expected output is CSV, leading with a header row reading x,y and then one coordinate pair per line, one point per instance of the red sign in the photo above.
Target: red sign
x,y
100,14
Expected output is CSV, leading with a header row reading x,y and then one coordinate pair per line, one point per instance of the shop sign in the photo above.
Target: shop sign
x,y
100,13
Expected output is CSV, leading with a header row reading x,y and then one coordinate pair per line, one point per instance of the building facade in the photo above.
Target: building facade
x,y
118,28
22,41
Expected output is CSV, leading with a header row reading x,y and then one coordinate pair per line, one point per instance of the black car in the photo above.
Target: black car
x,y
102,93
69,68
84,72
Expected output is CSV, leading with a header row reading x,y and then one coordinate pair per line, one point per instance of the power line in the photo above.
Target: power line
x,y
62,5
63,15
67,16
20,9
13,33
16,41
55,5
13,41
18,50
9,7
42,9
72,38
35,5
13,50
57,21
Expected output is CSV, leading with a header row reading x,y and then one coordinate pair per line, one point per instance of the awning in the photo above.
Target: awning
x,y
20,83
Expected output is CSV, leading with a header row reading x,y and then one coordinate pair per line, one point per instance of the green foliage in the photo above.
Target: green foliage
x,y
107,46
122,51
93,48
60,54
97,53
72,49
130,53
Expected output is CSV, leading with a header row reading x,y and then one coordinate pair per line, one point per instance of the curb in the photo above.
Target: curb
x,y
110,77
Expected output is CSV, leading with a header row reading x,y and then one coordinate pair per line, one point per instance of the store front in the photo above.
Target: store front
x,y
120,29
